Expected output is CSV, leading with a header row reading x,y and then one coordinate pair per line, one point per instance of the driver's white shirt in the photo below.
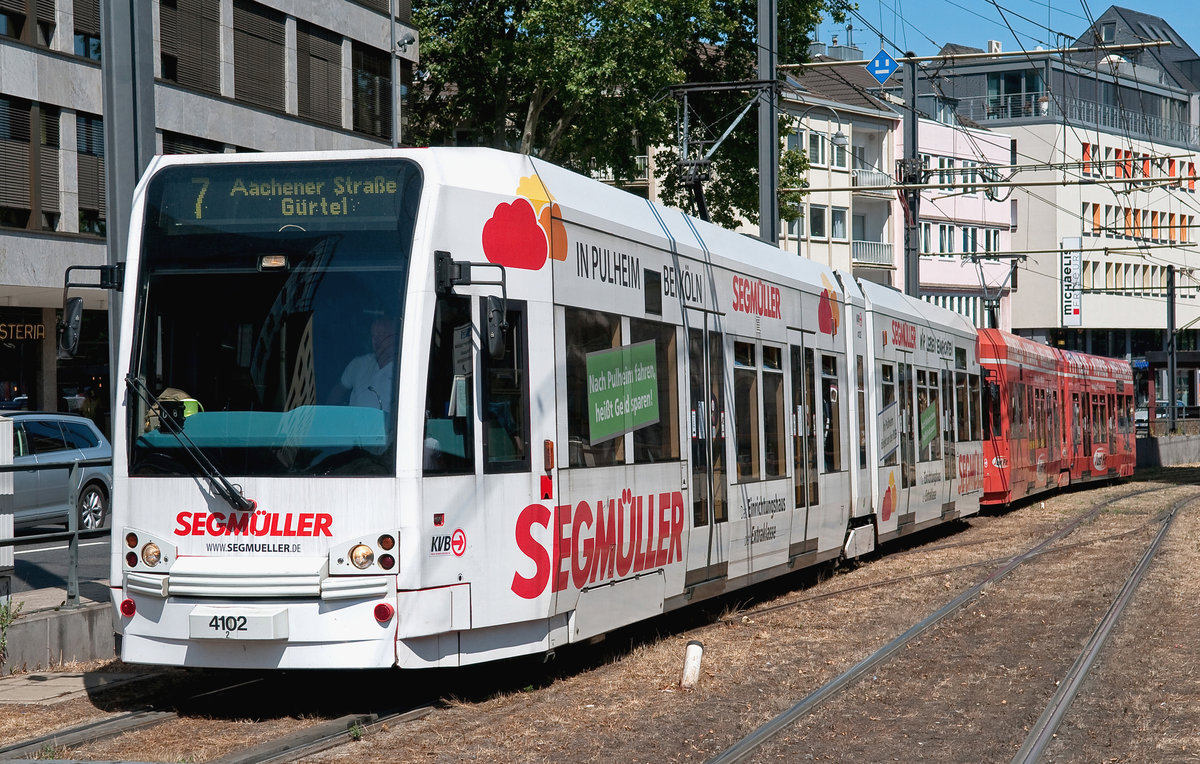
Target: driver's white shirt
x,y
369,384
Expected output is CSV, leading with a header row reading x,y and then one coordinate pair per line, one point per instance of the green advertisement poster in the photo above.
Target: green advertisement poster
x,y
928,425
622,388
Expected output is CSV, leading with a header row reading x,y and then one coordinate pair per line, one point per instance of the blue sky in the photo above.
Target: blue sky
x,y
923,26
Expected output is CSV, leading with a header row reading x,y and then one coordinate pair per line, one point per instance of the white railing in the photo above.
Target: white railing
x,y
865,179
642,175
1080,113
872,252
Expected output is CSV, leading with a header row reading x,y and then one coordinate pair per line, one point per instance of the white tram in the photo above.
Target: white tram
x,y
349,440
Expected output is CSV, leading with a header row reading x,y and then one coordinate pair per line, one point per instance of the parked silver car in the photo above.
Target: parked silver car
x,y
44,495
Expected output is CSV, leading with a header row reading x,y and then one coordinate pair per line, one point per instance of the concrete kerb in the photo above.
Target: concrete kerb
x,y
44,639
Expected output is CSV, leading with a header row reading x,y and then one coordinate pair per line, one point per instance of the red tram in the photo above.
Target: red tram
x,y
1051,417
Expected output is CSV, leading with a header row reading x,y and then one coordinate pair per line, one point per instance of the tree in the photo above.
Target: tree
x,y
583,83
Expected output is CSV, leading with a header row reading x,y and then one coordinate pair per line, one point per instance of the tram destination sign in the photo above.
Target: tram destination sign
x,y
622,386
276,195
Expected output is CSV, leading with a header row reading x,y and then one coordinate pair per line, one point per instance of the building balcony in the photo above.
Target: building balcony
x,y
871,181
871,252
640,178
1042,107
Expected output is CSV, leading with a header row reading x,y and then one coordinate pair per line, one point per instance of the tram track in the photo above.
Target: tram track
x,y
155,715
926,550
757,738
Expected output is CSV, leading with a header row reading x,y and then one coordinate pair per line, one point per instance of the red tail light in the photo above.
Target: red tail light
x,y
383,612
128,608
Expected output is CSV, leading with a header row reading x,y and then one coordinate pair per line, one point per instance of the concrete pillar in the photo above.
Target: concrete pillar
x,y
47,394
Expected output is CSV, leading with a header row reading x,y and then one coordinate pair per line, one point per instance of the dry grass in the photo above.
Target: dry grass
x,y
966,691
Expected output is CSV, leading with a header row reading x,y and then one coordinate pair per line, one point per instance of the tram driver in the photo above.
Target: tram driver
x,y
367,379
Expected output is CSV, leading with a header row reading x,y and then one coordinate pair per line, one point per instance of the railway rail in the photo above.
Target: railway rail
x,y
1044,730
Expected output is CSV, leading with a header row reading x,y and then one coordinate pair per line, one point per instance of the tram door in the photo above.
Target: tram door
x,y
805,446
709,532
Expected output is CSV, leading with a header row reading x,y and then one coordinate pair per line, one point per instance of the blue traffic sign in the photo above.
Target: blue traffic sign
x,y
882,66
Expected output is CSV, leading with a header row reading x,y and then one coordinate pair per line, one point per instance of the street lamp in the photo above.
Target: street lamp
x,y
839,138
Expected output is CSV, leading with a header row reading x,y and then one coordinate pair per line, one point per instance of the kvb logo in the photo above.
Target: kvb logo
x,y
451,543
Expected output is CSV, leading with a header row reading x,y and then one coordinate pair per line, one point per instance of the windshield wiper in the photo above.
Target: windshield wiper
x,y
218,482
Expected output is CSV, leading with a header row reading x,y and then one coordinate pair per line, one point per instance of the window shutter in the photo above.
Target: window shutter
x,y
319,75
14,153
258,40
87,16
191,34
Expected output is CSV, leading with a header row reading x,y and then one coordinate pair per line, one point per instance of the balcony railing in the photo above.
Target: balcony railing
x,y
641,176
865,179
1079,113
871,252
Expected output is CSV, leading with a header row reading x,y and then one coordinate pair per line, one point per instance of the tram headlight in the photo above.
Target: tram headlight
x,y
362,556
151,554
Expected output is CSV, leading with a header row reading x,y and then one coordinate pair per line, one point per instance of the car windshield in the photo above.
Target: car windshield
x,y
270,307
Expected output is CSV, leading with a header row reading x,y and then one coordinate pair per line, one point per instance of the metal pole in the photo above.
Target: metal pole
x,y
768,126
912,174
395,76
127,68
1171,392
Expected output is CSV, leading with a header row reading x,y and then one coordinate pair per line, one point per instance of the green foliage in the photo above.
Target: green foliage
x,y
583,84
357,731
8,614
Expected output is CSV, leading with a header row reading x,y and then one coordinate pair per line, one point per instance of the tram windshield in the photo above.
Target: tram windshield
x,y
269,315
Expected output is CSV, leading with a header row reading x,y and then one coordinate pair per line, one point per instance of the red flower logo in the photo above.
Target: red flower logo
x,y
513,238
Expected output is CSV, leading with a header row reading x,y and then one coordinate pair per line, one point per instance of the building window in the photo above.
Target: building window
x,y
946,171
319,74
969,176
816,148
926,238
87,29
177,143
258,42
372,82
89,144
190,43
839,156
1108,31
838,223
1086,159
816,222
11,23
945,239
970,240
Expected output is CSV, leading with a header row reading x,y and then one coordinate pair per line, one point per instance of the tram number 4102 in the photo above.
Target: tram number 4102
x,y
227,623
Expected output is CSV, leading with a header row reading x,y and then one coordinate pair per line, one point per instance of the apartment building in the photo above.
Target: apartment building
x,y
848,218
1105,166
230,75
965,227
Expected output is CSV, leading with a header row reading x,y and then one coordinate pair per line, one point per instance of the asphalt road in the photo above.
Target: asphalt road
x,y
44,565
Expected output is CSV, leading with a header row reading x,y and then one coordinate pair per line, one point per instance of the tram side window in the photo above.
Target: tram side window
x,y
948,434
810,408
832,408
773,411
505,405
962,407
449,445
929,430
862,416
588,331
908,454
976,407
660,441
745,409
887,397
